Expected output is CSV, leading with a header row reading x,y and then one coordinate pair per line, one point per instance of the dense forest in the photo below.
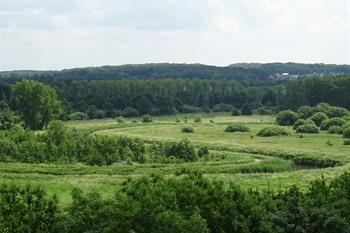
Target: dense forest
x,y
110,98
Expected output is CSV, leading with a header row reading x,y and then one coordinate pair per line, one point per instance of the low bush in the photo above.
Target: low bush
x,y
300,122
130,112
336,121
203,151
305,112
286,117
236,128
236,112
272,131
146,118
75,116
198,119
337,112
335,130
318,118
308,128
120,119
187,130
264,111
346,142
346,133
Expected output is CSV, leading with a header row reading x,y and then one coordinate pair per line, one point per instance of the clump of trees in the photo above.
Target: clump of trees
x,y
307,128
60,144
272,131
37,103
201,205
237,128
286,117
187,129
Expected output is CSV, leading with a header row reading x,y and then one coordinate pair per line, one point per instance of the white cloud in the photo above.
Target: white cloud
x,y
56,34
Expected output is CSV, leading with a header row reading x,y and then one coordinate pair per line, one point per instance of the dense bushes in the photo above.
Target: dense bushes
x,y
336,121
223,107
236,112
300,122
272,131
236,128
335,130
318,117
246,110
75,116
59,144
183,150
146,118
308,128
286,117
186,203
346,133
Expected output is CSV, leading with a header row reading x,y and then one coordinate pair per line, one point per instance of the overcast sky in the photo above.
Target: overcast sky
x,y
57,34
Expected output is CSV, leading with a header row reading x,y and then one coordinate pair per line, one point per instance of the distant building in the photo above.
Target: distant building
x,y
284,76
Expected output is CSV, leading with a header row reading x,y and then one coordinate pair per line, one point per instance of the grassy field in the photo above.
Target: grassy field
x,y
235,157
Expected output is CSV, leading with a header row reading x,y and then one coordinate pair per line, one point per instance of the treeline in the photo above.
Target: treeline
x,y
111,98
186,203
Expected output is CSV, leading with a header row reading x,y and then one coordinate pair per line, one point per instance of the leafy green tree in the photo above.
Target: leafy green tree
x,y
319,117
37,103
286,117
7,117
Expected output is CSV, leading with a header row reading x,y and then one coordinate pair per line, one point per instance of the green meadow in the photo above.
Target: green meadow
x,y
252,162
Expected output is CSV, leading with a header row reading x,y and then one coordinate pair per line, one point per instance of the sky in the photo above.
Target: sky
x,y
59,34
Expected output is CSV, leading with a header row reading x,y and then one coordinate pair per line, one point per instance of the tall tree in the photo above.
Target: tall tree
x,y
37,103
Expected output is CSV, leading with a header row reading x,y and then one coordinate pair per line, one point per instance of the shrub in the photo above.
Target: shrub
x,y
272,131
181,150
187,130
347,125
235,112
318,118
286,117
336,121
198,119
120,119
203,151
236,128
264,111
100,114
246,110
130,112
222,107
75,116
305,112
335,130
146,118
308,128
321,107
346,142
346,133
302,122
337,112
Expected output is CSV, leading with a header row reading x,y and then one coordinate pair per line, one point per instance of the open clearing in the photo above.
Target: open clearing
x,y
234,156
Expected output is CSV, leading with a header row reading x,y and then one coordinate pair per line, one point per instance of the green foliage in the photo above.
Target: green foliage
x,y
346,133
130,112
120,119
286,117
75,116
198,119
318,118
307,128
236,128
305,112
264,111
57,132
335,130
222,107
37,103
346,142
300,122
272,131
182,150
187,129
203,151
236,112
336,121
246,110
337,112
146,118
7,117
28,210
